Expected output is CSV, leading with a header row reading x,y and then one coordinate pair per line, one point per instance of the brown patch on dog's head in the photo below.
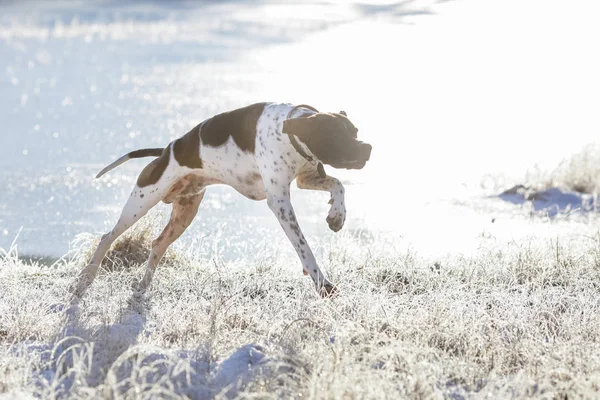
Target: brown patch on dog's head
x,y
332,138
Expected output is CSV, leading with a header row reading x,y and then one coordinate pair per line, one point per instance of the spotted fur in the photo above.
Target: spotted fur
x,y
248,150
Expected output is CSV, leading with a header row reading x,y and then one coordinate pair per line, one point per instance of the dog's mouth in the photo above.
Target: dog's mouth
x,y
357,158
355,164
364,154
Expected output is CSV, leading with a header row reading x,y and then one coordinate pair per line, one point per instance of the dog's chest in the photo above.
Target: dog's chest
x,y
276,157
232,166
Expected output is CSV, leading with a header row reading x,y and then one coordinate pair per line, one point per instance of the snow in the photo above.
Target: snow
x,y
551,202
115,346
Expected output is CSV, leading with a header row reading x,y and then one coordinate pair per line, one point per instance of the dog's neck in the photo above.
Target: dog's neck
x,y
299,148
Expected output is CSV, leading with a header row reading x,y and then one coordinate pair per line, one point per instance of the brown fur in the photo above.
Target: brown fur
x,y
187,149
239,124
189,185
153,171
331,139
323,133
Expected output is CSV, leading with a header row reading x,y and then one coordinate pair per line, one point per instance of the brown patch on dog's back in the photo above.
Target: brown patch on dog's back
x,y
153,171
187,149
239,124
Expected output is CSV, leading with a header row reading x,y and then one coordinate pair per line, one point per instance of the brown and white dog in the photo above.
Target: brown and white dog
x,y
255,150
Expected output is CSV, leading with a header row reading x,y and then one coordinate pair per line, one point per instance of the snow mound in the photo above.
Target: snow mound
x,y
550,202
240,368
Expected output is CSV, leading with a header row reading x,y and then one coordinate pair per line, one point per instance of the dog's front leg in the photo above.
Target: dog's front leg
x,y
281,206
337,213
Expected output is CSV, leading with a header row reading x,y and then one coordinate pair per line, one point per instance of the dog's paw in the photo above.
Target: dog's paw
x,y
336,218
73,289
337,215
328,290
77,288
335,223
137,287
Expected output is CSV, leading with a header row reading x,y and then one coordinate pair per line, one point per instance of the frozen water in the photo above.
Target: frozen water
x,y
447,92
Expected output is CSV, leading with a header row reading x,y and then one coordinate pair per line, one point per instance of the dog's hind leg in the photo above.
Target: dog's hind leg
x,y
153,184
139,203
185,209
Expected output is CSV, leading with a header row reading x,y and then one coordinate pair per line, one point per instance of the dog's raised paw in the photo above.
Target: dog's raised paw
x,y
335,222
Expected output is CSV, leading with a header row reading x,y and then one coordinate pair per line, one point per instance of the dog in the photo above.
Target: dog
x,y
258,150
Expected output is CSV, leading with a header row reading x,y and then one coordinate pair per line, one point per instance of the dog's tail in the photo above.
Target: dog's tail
x,y
134,154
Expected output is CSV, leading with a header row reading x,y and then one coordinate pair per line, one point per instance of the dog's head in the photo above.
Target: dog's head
x,y
332,138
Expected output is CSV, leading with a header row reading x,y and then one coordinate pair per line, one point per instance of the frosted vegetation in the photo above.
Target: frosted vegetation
x,y
520,319
579,172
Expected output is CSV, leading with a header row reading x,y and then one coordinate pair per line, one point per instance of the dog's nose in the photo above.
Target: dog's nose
x,y
366,151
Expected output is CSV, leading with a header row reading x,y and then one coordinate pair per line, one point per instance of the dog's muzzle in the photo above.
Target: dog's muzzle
x,y
364,154
365,151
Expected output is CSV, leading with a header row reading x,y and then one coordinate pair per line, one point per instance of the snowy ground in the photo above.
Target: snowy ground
x,y
460,99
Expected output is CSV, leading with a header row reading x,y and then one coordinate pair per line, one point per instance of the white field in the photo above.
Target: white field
x,y
446,289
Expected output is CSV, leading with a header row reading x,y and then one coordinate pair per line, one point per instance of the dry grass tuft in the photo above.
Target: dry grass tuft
x,y
130,249
579,173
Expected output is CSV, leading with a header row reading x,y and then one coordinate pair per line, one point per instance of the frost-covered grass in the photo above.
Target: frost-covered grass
x,y
579,173
571,187
515,320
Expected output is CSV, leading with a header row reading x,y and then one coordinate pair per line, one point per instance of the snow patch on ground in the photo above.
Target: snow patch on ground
x,y
550,202
114,356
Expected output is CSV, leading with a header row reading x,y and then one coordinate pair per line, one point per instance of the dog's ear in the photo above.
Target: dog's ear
x,y
343,113
301,127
